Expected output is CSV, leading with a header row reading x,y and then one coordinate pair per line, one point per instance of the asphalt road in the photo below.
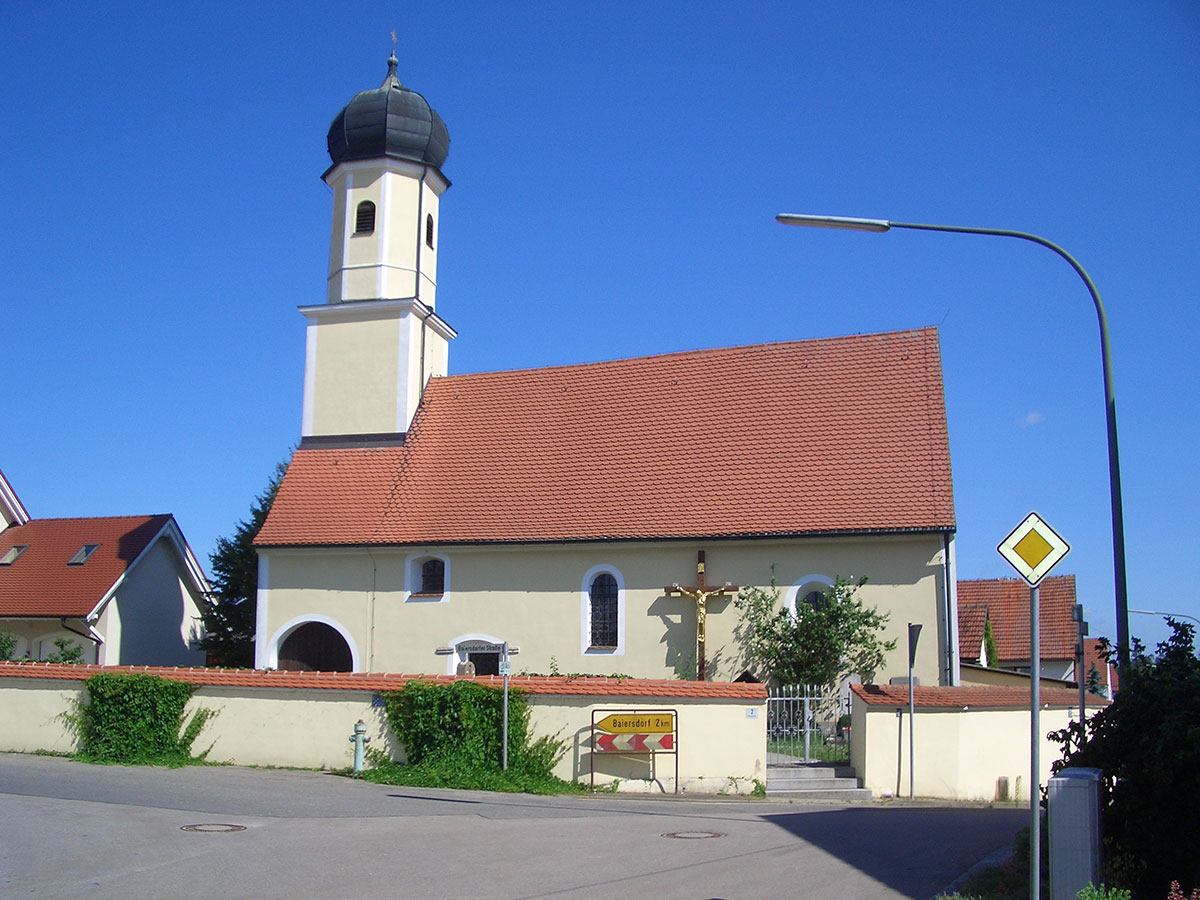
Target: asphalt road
x,y
72,830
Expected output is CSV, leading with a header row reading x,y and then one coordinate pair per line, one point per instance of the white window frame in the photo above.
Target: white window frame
x,y
412,578
802,587
585,612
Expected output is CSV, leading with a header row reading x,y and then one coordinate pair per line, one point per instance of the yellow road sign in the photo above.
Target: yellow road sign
x,y
1033,548
633,723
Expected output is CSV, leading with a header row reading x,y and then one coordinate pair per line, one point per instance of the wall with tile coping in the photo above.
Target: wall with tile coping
x,y
962,749
305,720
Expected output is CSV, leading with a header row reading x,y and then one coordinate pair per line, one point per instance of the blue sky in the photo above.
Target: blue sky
x,y
616,172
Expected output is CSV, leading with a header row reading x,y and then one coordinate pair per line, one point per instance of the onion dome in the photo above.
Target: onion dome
x,y
389,121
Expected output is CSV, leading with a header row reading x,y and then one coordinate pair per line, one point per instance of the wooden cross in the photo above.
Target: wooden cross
x,y
700,593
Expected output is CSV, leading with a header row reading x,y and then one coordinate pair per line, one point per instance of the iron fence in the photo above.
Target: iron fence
x,y
807,724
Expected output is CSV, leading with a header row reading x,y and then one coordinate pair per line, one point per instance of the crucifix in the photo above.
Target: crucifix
x,y
700,593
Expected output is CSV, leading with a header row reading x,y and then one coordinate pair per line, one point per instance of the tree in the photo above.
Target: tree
x,y
991,657
1147,745
65,651
819,642
229,612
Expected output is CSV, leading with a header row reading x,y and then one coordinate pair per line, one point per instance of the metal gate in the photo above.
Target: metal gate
x,y
807,724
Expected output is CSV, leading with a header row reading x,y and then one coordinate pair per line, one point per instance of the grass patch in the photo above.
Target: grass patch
x,y
462,774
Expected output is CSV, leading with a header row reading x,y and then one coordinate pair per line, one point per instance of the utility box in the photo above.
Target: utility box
x,y
1073,813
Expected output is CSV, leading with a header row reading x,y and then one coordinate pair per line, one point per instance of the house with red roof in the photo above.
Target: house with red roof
x,y
592,518
124,589
1005,603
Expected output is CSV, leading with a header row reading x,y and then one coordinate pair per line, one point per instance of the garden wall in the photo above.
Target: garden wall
x,y
305,719
969,741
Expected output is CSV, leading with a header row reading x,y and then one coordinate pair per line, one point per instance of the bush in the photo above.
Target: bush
x,y
1091,892
453,737
1147,745
137,719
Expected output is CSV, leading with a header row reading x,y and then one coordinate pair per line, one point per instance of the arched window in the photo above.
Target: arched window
x,y
364,218
603,597
433,576
427,578
602,612
816,599
811,589
429,230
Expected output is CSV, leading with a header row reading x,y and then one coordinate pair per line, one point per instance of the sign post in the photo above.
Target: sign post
x,y
651,731
505,668
914,634
1033,548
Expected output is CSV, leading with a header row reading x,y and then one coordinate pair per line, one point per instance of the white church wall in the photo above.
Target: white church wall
x,y
532,597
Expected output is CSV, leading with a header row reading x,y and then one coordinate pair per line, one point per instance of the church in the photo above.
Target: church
x,y
595,518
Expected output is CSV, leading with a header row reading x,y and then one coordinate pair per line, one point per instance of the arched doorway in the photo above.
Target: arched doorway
x,y
315,646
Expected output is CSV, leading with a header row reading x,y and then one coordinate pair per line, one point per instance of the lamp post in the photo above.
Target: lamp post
x,y
1110,404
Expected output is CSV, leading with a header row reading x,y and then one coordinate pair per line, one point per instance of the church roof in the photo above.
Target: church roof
x,y
389,121
47,580
1006,602
840,435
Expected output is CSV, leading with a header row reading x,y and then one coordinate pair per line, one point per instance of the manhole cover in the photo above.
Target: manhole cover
x,y
212,827
693,835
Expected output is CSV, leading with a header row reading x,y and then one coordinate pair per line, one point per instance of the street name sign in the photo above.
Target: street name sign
x,y
1033,548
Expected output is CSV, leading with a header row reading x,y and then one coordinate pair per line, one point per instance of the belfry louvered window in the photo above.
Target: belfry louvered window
x,y
364,218
604,610
429,231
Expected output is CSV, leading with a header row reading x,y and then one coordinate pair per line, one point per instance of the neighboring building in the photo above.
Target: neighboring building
x,y
126,589
1005,602
427,518
1106,671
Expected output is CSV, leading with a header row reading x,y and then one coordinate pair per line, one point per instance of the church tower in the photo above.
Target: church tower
x,y
376,340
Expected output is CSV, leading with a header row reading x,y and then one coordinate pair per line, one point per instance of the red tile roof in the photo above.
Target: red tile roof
x,y
837,435
585,686
40,583
975,697
972,618
1006,601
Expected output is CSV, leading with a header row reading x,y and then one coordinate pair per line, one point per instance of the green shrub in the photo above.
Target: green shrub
x,y
1147,745
8,645
1091,892
65,651
453,734
137,719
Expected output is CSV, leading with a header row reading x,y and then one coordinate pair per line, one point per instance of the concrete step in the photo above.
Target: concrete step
x,y
810,784
810,770
844,795
816,782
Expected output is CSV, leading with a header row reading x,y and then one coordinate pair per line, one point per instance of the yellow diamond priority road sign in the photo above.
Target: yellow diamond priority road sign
x,y
1033,548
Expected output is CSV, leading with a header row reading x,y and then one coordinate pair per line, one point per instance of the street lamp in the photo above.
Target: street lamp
x,y
1110,403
